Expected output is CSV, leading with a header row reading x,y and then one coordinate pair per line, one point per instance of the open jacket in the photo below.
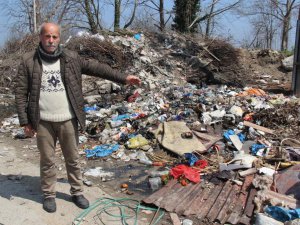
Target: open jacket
x,y
72,66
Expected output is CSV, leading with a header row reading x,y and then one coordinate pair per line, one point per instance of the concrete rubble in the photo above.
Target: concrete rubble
x,y
190,110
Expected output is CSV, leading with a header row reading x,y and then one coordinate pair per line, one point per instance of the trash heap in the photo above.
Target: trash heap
x,y
231,151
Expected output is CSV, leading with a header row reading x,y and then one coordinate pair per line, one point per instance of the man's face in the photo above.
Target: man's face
x,y
50,37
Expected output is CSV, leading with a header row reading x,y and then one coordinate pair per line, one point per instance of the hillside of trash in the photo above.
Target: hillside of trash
x,y
210,137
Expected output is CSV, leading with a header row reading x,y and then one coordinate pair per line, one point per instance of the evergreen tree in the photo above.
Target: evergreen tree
x,y
185,13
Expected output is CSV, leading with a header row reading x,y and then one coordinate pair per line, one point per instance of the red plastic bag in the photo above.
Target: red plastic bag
x,y
202,163
187,172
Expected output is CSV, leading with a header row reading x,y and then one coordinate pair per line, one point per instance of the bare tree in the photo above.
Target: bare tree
x,y
45,10
209,12
157,7
281,13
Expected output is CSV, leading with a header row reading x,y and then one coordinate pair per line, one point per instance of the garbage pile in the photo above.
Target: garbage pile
x,y
189,134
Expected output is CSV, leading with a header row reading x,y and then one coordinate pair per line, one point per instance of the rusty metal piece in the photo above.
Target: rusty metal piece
x,y
288,181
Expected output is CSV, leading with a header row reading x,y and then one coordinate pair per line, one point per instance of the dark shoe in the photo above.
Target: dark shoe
x,y
80,201
49,205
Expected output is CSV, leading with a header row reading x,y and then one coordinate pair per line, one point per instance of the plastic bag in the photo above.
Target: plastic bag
x,y
137,141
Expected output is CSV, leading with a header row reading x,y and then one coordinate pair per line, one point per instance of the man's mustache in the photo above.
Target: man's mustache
x,y
51,45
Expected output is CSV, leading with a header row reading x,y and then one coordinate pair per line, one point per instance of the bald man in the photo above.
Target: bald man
x,y
50,104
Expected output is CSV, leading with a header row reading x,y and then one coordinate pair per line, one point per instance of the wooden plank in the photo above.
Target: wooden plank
x,y
161,192
175,219
186,200
285,199
236,142
238,209
219,203
229,205
250,203
210,201
179,197
245,220
198,202
167,196
247,172
255,126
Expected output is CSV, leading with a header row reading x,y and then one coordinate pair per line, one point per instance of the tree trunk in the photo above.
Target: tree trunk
x,y
117,14
90,17
38,13
161,15
133,14
209,19
286,26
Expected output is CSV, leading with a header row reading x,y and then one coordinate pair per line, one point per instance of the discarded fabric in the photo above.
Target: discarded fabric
x,y
283,214
191,158
185,172
101,150
256,147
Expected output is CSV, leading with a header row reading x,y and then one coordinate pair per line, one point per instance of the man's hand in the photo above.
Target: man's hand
x,y
29,131
131,80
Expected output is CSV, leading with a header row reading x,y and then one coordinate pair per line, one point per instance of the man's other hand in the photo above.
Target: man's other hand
x,y
29,131
132,80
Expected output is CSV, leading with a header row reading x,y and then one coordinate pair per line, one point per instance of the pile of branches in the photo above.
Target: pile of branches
x,y
285,119
102,51
10,56
17,47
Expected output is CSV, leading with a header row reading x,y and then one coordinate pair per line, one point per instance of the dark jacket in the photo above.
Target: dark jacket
x,y
72,66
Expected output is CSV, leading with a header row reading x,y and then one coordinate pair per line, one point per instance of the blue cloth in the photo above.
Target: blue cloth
x,y
242,137
137,36
283,214
90,108
121,117
255,148
101,150
227,133
191,158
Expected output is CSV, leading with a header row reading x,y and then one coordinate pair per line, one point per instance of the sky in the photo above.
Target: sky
x,y
230,25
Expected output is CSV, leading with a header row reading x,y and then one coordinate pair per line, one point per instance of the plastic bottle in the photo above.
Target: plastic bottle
x,y
155,183
146,161
156,173
187,222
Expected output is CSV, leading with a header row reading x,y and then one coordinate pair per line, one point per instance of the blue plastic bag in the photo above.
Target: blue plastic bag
x,y
283,214
191,158
255,148
101,150
227,133
137,37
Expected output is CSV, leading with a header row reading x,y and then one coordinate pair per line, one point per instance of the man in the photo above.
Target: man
x,y
50,103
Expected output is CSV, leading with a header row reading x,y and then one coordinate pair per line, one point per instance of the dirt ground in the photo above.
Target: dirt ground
x,y
21,198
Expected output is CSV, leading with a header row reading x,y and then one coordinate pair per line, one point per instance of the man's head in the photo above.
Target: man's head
x,y
50,37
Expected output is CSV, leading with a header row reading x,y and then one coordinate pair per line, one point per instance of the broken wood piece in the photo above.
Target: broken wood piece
x,y
255,126
175,219
236,142
250,203
286,200
247,172
209,52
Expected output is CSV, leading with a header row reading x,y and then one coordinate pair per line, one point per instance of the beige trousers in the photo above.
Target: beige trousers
x,y
47,135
